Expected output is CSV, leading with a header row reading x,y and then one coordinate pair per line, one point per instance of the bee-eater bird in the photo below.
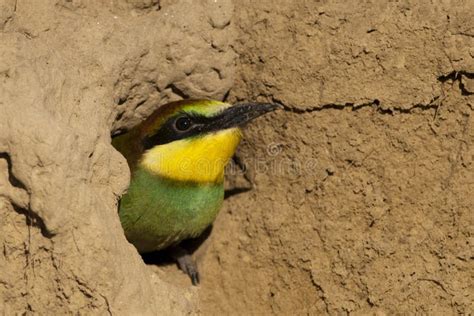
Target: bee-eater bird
x,y
177,158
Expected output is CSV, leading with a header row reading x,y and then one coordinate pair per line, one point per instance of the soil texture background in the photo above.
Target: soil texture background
x,y
354,198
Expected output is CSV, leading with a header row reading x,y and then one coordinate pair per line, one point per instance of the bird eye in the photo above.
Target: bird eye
x,y
183,123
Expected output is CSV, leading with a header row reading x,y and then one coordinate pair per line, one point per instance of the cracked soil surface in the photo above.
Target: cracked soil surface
x,y
355,198
362,199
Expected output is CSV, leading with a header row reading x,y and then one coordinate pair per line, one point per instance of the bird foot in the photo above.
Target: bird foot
x,y
185,263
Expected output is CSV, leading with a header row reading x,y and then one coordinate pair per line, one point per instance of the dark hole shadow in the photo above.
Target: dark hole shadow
x,y
162,257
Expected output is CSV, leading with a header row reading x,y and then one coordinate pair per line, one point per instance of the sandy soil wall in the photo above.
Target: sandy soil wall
x,y
357,196
72,73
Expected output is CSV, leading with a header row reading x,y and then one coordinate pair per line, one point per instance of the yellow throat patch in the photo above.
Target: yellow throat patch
x,y
200,159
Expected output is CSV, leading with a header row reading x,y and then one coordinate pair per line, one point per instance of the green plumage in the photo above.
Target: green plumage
x,y
157,213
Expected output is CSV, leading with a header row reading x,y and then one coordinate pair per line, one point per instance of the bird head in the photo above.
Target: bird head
x,y
193,140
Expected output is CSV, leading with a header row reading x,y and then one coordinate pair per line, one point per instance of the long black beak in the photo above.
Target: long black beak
x,y
241,113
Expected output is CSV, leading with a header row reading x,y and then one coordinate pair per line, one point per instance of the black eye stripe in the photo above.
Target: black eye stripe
x,y
200,125
230,117
170,132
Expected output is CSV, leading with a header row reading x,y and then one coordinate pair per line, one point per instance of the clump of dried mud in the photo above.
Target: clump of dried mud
x,y
72,73
360,195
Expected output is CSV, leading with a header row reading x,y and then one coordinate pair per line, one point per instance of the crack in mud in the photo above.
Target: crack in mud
x,y
320,289
458,157
177,91
355,107
14,181
435,102
437,283
456,77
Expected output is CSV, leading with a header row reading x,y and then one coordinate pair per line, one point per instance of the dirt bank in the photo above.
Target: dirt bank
x,y
360,195
363,185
